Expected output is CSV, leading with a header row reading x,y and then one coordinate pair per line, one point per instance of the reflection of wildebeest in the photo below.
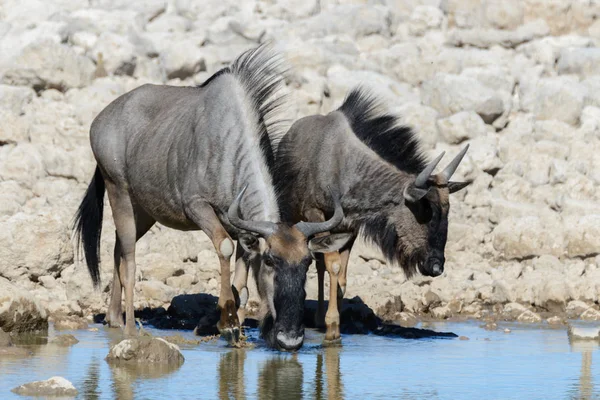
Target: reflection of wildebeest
x,y
281,378
388,190
179,156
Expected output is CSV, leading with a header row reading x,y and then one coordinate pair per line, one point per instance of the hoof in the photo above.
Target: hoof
x,y
229,325
114,322
231,335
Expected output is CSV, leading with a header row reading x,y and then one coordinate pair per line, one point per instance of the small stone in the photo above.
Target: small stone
x,y
145,350
93,329
513,310
591,314
405,319
441,312
490,326
556,320
65,340
575,308
583,333
463,338
55,386
529,317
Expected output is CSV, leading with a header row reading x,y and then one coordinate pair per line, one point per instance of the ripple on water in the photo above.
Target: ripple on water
x,y
532,363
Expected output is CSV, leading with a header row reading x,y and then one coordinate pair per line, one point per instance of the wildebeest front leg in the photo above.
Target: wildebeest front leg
x,y
332,263
332,318
342,279
204,216
240,281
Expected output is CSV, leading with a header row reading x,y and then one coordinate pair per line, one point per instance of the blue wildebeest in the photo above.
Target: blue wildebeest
x,y
200,158
388,190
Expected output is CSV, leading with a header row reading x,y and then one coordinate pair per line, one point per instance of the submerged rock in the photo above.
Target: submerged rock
x,y
65,340
145,350
55,386
64,323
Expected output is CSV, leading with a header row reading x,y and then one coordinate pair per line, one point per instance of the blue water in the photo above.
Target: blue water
x,y
528,363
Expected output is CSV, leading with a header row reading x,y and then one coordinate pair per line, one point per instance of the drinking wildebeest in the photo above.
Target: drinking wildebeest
x,y
388,190
180,156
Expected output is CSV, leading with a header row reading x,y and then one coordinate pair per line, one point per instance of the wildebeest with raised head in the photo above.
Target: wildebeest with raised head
x,y
389,192
200,158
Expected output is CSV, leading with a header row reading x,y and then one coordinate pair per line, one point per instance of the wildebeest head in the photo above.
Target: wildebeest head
x,y
285,251
423,222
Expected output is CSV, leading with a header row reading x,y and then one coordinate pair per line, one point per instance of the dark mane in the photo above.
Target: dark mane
x,y
220,72
382,132
378,230
260,71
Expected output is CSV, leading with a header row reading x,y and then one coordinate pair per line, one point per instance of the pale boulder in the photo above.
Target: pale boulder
x,y
145,349
156,291
560,98
424,18
579,61
461,126
450,94
20,312
39,244
55,386
503,14
582,235
517,238
47,65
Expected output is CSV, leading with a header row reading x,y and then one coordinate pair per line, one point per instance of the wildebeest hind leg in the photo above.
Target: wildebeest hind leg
x,y
114,317
124,217
204,216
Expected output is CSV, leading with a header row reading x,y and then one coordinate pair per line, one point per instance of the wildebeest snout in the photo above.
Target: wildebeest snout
x,y
434,266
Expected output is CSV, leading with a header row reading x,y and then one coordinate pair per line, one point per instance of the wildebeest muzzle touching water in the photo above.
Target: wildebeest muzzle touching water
x,y
282,259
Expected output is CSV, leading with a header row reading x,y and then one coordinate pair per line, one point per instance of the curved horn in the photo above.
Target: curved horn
x,y
451,168
421,181
312,228
263,228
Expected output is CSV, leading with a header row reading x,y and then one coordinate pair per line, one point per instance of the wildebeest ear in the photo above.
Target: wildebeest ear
x,y
454,187
414,194
249,243
329,243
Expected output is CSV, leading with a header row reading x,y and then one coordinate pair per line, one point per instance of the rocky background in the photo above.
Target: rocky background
x,y
518,80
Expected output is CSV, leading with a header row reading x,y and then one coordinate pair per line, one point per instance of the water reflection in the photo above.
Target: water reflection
x,y
90,385
231,375
333,377
125,377
584,389
282,376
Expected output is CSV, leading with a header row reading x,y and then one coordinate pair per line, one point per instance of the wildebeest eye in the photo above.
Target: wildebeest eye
x,y
268,261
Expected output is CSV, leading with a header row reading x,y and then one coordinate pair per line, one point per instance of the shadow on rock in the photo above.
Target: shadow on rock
x,y
357,318
187,311
199,312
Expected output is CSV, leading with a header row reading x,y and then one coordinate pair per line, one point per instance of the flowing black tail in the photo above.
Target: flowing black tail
x,y
88,224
